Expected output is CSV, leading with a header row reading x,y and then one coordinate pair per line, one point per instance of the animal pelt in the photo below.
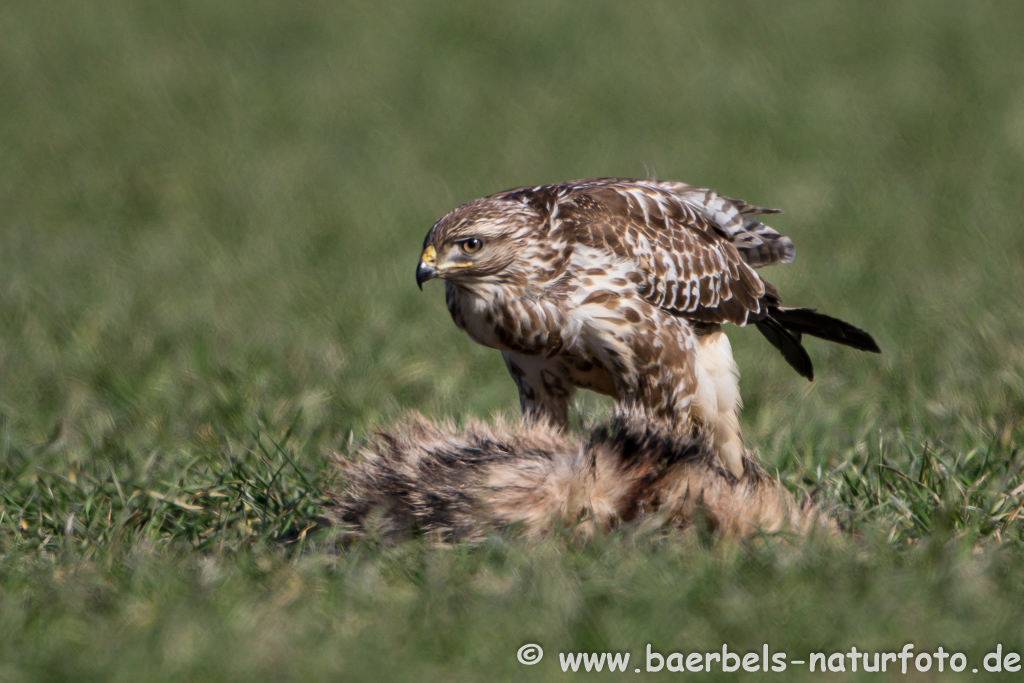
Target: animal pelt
x,y
532,479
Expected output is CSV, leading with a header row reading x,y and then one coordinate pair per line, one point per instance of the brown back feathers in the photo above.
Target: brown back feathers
x,y
463,484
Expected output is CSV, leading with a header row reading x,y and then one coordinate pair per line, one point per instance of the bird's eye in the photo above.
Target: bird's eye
x,y
472,245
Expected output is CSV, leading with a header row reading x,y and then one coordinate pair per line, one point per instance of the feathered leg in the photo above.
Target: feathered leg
x,y
717,403
689,381
544,387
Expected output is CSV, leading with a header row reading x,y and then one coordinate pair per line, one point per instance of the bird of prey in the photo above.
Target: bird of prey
x,y
622,286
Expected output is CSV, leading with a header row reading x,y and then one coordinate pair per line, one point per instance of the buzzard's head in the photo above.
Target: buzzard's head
x,y
477,242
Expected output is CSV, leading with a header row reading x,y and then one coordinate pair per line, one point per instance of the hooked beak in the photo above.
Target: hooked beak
x,y
427,269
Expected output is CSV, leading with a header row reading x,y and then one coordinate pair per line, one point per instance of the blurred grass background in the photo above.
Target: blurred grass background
x,y
211,214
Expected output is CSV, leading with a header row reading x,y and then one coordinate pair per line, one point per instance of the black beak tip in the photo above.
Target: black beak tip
x,y
424,273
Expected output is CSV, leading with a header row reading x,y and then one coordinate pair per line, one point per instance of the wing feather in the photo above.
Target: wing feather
x,y
758,244
687,263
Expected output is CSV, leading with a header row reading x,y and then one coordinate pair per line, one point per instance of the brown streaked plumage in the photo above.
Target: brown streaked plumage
x,y
532,479
622,286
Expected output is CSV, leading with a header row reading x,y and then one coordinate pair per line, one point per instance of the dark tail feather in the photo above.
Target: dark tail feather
x,y
809,321
788,343
783,327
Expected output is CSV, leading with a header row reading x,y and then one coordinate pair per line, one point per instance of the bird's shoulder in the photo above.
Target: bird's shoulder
x,y
679,259
673,215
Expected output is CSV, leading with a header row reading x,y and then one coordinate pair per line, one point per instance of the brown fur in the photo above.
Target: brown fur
x,y
533,479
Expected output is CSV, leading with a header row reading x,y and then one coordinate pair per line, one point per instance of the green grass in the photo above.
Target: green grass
x,y
211,214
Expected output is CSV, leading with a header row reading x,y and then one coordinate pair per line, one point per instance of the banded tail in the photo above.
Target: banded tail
x,y
784,327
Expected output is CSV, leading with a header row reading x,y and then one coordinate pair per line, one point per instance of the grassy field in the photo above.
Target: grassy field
x,y
210,215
